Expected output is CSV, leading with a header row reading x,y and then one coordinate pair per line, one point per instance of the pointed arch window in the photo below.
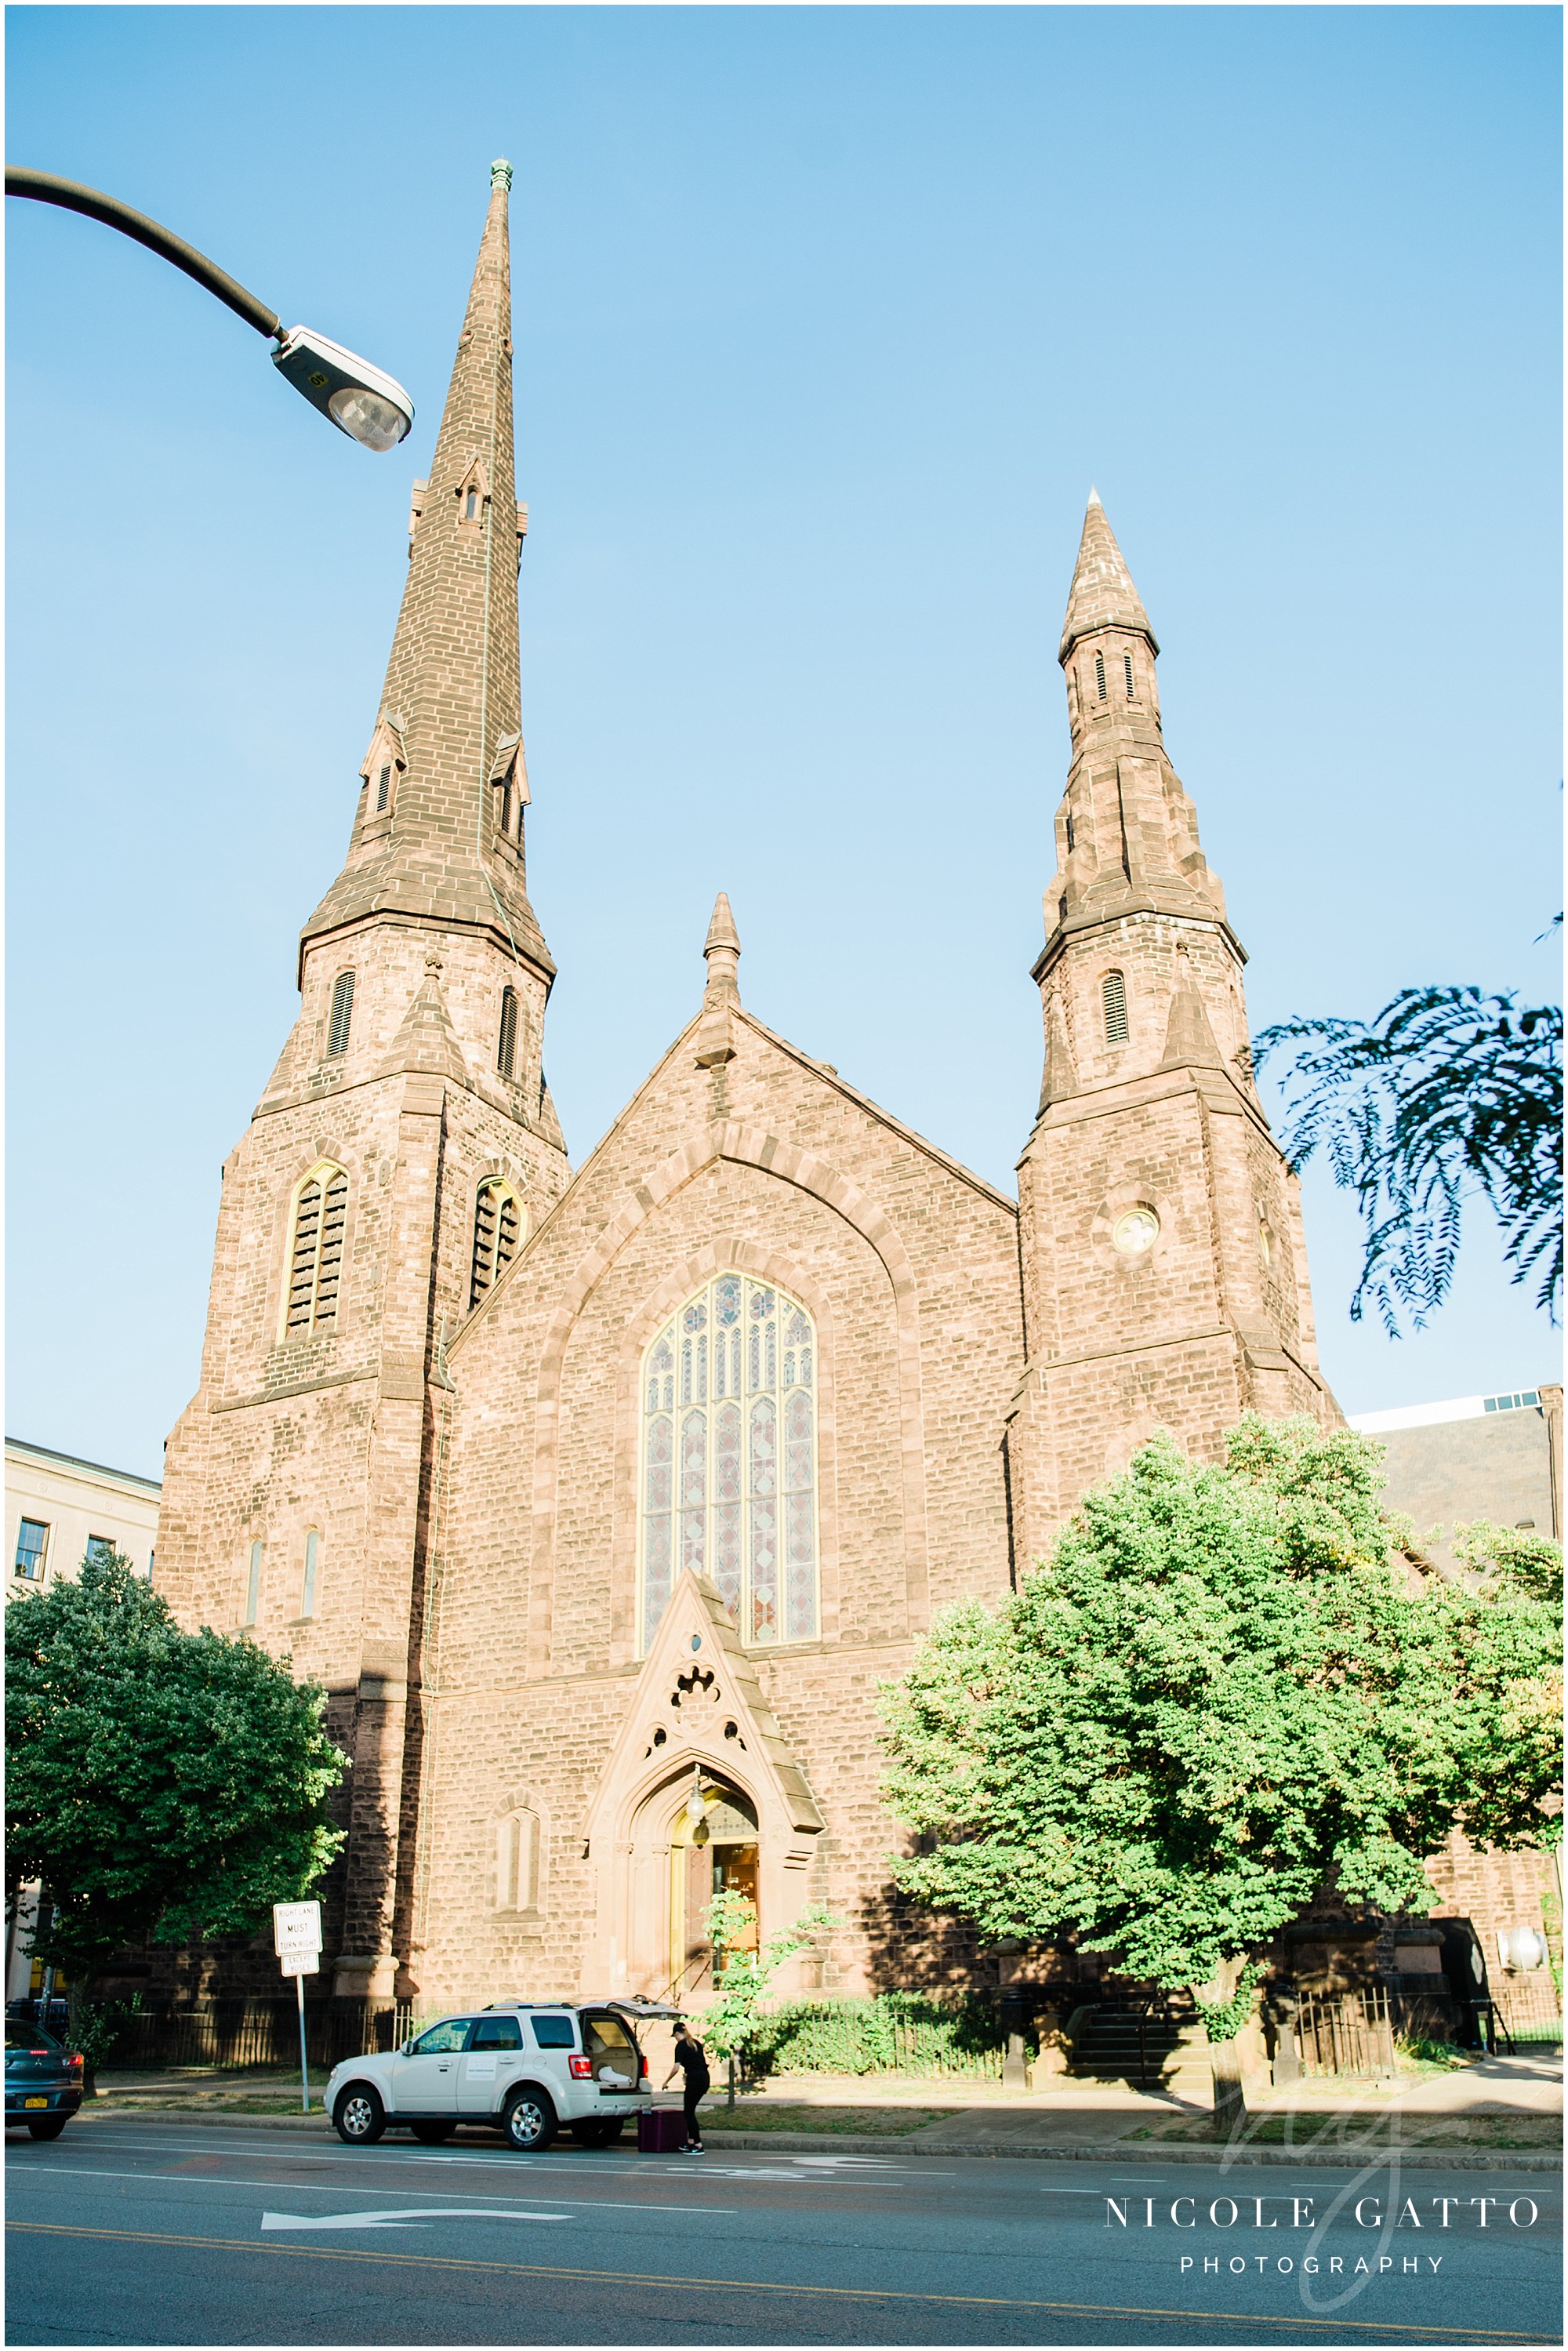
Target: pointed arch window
x,y
382,764
474,496
729,1458
342,1014
1100,675
1127,664
506,1044
312,1559
509,776
1113,997
316,1261
253,1584
497,1229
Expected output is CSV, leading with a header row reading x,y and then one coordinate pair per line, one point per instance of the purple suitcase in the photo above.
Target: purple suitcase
x,y
660,2130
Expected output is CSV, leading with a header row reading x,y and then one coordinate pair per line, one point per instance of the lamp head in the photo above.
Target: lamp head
x,y
370,407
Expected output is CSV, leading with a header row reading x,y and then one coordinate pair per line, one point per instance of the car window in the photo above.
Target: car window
x,y
606,2037
496,2032
451,2034
554,2032
27,2036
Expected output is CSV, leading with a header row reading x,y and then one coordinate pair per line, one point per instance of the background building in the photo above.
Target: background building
x,y
1496,1458
57,1510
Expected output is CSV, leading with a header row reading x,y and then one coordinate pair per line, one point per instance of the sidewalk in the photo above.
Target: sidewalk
x,y
1495,2105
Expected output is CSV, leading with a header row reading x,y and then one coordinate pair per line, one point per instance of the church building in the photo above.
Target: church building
x,y
602,1499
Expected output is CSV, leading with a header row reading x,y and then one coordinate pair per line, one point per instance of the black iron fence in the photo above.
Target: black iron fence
x,y
1346,2032
238,2034
1529,2007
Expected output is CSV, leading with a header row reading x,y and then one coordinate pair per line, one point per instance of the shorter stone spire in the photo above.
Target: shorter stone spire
x,y
722,952
426,1043
1102,595
1190,1041
1061,1079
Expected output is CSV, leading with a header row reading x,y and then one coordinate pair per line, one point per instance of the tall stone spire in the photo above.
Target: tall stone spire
x,y
1126,831
1165,1274
438,834
1102,595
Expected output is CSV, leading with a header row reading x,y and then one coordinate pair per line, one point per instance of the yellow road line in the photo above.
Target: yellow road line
x,y
770,2285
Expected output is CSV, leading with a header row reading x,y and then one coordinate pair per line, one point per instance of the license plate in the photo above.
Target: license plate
x,y
35,2102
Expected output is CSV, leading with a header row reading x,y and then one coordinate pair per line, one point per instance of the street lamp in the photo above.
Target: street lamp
x,y
371,408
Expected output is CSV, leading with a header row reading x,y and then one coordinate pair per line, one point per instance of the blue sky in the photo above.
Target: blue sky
x,y
826,320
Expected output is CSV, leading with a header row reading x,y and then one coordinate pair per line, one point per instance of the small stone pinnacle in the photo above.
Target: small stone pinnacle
x,y
500,172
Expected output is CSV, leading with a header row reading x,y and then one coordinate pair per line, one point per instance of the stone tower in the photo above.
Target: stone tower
x,y
403,1149
1165,1274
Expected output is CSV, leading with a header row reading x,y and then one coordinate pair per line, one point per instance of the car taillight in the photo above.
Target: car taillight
x,y
642,2070
581,2068
74,2064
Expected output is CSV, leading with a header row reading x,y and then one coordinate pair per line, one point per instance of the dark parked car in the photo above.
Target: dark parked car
x,y
43,2082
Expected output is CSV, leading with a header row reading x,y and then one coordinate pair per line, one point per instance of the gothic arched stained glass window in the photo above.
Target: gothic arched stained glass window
x,y
729,1458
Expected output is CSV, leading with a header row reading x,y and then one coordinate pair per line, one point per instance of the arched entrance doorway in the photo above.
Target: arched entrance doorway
x,y
714,1849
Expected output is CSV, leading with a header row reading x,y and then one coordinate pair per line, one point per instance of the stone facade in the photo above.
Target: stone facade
x,y
447,1474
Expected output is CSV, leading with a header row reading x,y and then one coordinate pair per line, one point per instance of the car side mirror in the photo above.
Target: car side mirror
x,y
403,2047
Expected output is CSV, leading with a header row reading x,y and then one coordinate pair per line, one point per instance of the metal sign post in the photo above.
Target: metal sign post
x,y
296,1940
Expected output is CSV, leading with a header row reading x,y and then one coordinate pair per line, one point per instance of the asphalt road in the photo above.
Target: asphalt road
x,y
131,2232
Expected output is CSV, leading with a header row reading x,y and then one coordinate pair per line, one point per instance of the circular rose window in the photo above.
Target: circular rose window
x,y
1136,1232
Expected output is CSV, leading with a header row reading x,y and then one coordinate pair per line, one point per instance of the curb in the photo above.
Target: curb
x,y
1351,2158
1430,2159
311,2122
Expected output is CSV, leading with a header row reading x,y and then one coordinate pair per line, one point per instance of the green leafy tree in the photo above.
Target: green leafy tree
x,y
1226,1689
160,1782
741,1975
1446,1093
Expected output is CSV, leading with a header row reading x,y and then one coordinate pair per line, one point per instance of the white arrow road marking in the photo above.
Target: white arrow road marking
x,y
413,2216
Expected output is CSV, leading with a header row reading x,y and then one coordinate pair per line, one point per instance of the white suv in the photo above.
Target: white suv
x,y
528,2065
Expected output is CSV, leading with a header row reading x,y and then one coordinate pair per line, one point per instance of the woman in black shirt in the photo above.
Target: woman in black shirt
x,y
692,2059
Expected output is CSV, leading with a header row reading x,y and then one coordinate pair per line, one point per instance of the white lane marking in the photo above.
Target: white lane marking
x,y
341,2187
622,2165
415,2217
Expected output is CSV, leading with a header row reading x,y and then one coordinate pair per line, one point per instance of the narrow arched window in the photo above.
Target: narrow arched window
x,y
729,1458
308,1589
342,1014
497,1228
506,1047
518,1862
1070,837
315,1265
1127,662
253,1584
383,787
1113,995
471,503
1099,674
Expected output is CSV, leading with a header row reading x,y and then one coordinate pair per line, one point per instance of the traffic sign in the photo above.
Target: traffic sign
x,y
300,1963
295,1927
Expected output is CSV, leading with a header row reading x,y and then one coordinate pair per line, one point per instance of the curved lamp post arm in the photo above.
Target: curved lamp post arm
x,y
72,197
371,407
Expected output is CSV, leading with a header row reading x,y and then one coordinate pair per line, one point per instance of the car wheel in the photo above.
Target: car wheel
x,y
359,2118
529,2122
48,2126
431,2133
604,2134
